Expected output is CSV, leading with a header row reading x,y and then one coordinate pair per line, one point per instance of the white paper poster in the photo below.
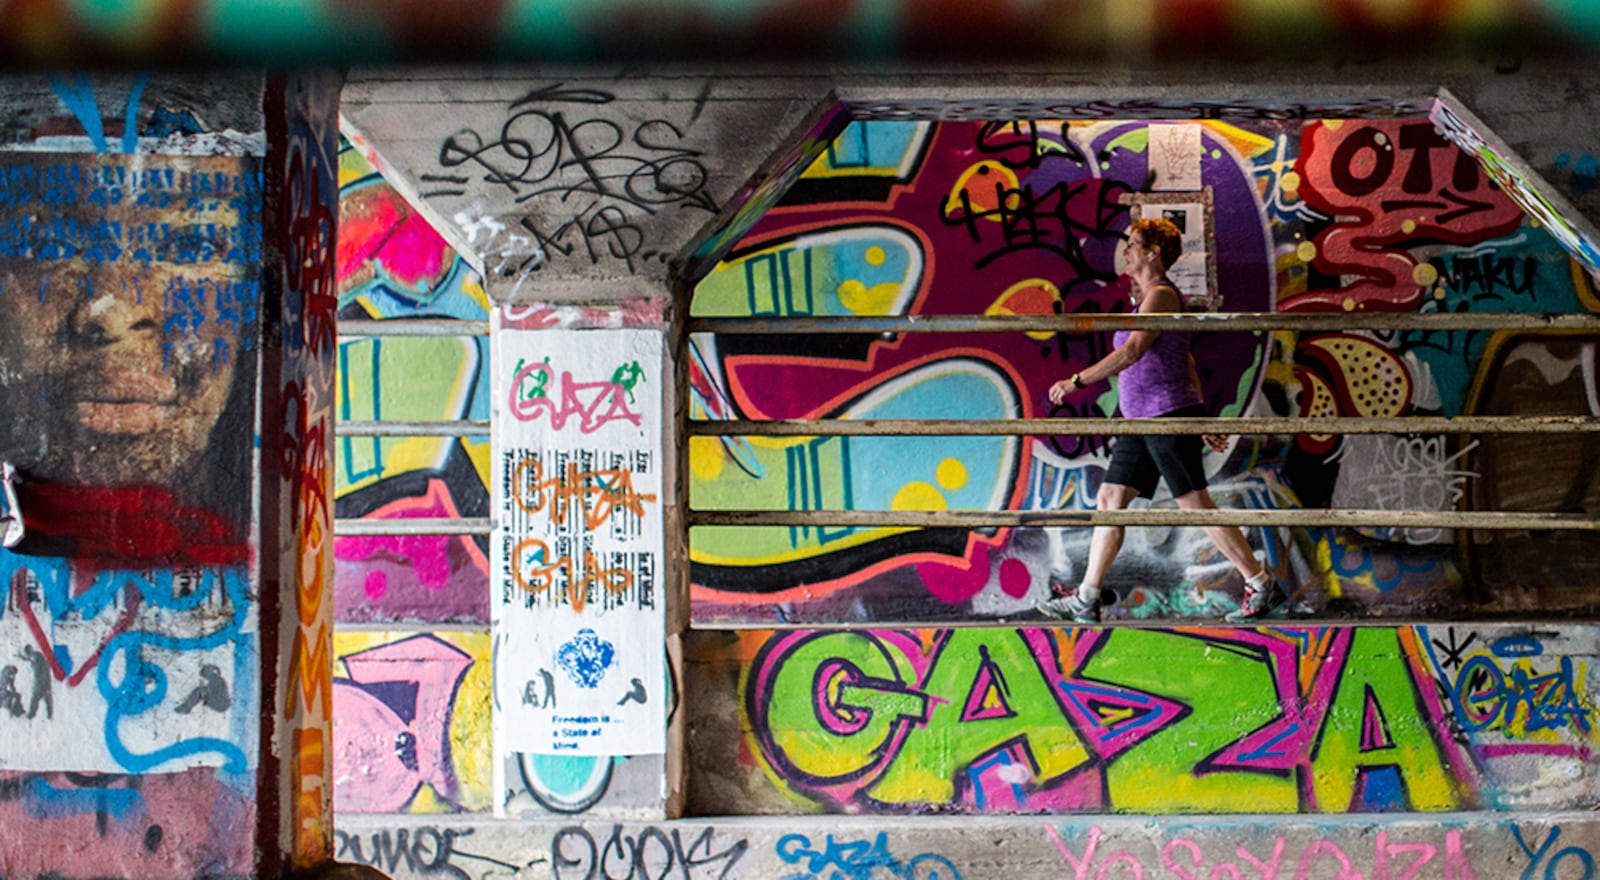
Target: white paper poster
x,y
1189,272
1175,156
579,618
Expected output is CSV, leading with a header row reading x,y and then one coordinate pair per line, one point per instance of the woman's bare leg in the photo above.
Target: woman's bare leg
x,y
1229,539
1106,541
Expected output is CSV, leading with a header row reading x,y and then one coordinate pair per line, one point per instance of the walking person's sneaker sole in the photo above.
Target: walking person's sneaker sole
x,y
1070,607
1264,604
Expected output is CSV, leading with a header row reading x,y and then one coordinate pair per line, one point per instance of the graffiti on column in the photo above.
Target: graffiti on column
x,y
578,612
305,422
127,313
129,297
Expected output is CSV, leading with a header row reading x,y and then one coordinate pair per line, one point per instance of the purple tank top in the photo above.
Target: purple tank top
x,y
1160,382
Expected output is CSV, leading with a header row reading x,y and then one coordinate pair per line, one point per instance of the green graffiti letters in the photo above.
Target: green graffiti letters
x,y
1143,720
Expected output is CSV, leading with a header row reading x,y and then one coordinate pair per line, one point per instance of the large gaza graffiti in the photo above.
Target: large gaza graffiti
x,y
1150,721
1024,217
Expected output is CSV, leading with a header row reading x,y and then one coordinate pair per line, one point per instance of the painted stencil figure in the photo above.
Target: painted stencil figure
x,y
211,692
1159,379
41,682
10,697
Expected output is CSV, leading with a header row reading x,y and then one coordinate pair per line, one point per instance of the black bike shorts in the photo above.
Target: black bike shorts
x,y
1138,462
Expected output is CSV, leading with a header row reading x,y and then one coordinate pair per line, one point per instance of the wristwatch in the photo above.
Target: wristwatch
x,y
1076,381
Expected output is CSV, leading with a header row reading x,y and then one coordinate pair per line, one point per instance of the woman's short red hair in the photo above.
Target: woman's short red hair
x,y
1161,234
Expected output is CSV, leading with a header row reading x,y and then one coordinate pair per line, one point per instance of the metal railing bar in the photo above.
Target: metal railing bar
x,y
1192,321
413,327
1028,619
1270,518
455,428
1147,427
362,528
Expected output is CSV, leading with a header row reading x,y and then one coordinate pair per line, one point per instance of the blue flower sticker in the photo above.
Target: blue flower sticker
x,y
586,658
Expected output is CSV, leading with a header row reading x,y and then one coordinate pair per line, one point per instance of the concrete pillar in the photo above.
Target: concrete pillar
x,y
297,391
165,391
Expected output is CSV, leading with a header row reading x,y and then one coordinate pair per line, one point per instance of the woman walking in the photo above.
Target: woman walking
x,y
1159,380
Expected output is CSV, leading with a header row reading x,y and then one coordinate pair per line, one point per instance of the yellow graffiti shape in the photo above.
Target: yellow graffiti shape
x,y
1031,296
860,299
981,191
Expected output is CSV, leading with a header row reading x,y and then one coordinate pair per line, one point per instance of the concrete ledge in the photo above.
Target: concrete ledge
x,y
1457,846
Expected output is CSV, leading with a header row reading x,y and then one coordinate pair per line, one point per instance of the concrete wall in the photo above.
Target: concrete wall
x,y
130,332
587,195
139,359
1485,725
1454,845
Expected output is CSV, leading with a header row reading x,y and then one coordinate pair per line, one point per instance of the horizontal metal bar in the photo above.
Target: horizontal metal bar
x,y
972,519
1146,427
414,327
1029,618
1193,321
456,428
362,528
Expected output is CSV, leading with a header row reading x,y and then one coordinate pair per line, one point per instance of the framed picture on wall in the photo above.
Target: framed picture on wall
x,y
1195,272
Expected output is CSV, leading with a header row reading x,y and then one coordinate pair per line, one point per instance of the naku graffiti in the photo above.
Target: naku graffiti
x,y
1042,720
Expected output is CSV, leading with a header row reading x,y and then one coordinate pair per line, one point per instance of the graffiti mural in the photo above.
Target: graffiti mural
x,y
1023,217
393,265
130,289
411,722
1283,720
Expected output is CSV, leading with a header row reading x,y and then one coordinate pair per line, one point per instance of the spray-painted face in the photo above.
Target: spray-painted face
x,y
128,298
